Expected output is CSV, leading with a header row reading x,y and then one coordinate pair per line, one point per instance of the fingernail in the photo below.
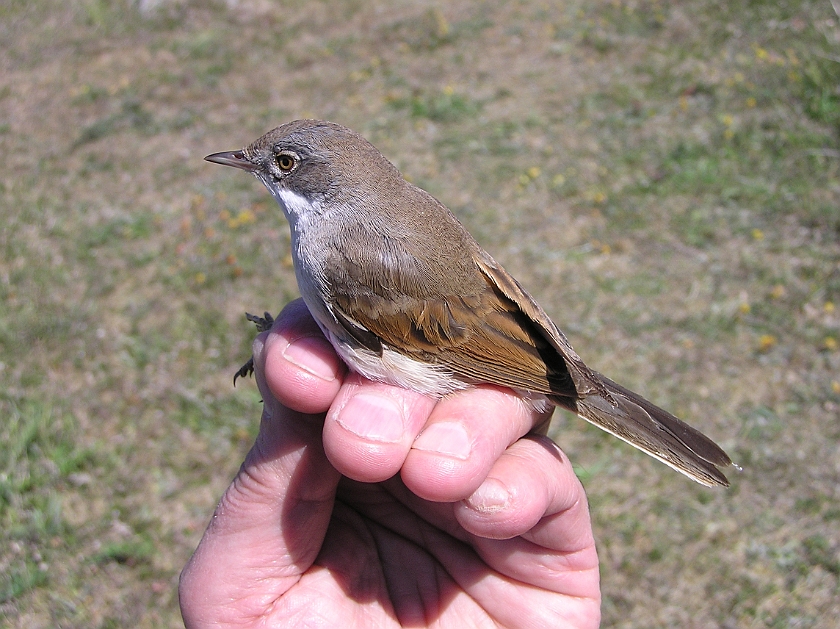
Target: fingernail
x,y
314,355
447,438
491,497
373,417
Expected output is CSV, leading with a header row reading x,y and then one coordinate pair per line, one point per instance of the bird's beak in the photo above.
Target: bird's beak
x,y
232,158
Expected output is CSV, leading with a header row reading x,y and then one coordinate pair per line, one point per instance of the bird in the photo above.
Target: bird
x,y
408,297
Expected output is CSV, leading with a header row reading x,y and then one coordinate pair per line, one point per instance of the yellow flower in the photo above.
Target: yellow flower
x,y
766,341
246,216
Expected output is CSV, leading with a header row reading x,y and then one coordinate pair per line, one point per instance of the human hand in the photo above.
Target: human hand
x,y
341,515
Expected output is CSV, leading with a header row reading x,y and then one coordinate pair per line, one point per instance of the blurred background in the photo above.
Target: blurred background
x,y
663,176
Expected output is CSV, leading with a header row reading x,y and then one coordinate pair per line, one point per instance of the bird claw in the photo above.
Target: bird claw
x,y
263,324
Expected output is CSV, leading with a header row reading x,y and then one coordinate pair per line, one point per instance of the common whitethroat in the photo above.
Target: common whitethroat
x,y
407,296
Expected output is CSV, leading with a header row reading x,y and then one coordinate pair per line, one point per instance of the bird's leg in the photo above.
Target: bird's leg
x,y
263,324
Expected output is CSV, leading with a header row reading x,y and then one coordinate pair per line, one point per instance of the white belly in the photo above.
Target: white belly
x,y
397,369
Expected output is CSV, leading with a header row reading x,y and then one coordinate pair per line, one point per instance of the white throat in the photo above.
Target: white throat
x,y
299,211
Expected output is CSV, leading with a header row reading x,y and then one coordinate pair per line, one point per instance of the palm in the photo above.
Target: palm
x,y
386,564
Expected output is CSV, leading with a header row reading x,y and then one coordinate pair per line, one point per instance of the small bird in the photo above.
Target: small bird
x,y
407,296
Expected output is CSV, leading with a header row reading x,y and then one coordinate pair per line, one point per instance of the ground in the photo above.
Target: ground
x,y
664,177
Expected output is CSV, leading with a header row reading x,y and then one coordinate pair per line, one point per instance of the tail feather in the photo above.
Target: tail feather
x,y
655,431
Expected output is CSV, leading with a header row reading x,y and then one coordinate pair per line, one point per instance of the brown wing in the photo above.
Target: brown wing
x,y
465,333
440,309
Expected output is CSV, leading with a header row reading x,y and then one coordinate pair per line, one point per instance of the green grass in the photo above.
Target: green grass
x,y
663,177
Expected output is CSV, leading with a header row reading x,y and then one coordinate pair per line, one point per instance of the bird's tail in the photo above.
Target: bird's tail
x,y
655,431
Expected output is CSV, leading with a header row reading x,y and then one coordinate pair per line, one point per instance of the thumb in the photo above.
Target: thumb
x,y
269,525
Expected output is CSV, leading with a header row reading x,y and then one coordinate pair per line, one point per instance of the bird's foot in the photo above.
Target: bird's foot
x,y
263,324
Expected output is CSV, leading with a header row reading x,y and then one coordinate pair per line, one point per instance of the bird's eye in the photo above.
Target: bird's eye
x,y
286,162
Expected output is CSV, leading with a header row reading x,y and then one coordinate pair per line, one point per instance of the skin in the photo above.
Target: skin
x,y
365,505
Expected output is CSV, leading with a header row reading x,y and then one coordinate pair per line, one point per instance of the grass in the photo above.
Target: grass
x,y
665,178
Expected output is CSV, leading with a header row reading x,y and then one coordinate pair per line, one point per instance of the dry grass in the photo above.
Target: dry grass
x,y
664,177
